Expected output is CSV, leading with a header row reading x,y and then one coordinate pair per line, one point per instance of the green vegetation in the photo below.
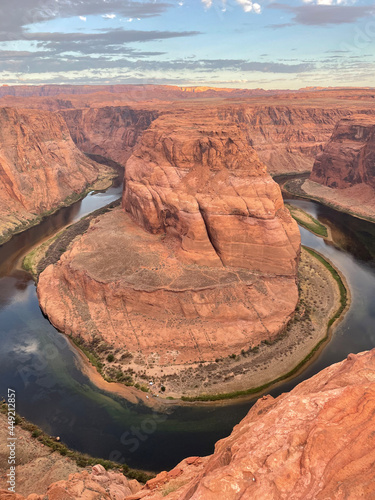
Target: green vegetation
x,y
81,459
94,360
254,390
110,358
307,221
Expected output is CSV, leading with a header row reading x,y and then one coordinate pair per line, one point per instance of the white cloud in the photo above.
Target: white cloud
x,y
247,5
109,16
207,3
83,18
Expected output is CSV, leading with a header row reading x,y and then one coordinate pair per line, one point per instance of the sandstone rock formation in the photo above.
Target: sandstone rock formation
x,y
110,131
39,166
288,137
203,265
314,443
196,179
349,156
286,128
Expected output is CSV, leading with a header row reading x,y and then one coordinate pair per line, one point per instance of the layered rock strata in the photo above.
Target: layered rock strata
x,y
349,156
204,262
196,180
40,167
110,131
314,443
343,176
288,138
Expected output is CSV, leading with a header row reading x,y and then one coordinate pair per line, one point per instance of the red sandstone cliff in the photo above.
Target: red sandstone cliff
x,y
288,138
349,156
195,178
39,166
314,443
110,131
205,264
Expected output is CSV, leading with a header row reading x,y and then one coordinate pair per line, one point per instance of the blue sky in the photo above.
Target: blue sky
x,y
233,43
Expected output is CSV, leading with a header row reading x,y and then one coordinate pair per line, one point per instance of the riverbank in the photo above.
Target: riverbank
x,y
9,229
307,221
42,459
49,251
358,201
323,298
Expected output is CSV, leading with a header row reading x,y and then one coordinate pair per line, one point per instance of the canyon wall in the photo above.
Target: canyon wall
x,y
201,263
287,138
40,167
110,131
349,156
314,443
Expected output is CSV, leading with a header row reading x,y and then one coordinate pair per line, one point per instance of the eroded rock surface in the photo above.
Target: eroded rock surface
x,y
349,157
39,166
196,179
110,131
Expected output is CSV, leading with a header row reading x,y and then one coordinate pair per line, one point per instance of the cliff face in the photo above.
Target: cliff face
x,y
287,138
202,265
314,443
349,156
197,180
39,166
110,131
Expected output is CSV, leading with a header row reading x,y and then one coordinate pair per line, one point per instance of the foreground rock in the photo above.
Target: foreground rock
x,y
37,465
203,265
40,167
314,443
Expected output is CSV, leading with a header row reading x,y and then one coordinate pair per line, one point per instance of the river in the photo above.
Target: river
x,y
40,364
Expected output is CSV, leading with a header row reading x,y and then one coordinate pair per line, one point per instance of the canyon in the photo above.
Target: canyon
x,y
343,175
40,168
199,264
206,248
315,442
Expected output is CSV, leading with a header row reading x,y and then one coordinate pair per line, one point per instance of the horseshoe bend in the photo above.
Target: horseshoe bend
x,y
199,263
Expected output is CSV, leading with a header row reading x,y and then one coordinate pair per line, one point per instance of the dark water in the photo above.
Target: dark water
x,y
39,363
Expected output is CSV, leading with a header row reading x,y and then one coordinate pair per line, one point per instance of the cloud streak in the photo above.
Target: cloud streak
x,y
322,15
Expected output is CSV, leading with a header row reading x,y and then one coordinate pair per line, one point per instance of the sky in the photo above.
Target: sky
x,y
224,43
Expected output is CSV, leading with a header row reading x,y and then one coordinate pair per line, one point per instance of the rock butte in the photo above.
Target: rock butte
x,y
204,261
314,443
40,166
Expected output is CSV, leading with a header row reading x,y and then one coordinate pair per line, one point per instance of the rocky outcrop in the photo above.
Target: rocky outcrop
x,y
195,179
314,443
202,265
287,138
40,167
110,131
349,157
